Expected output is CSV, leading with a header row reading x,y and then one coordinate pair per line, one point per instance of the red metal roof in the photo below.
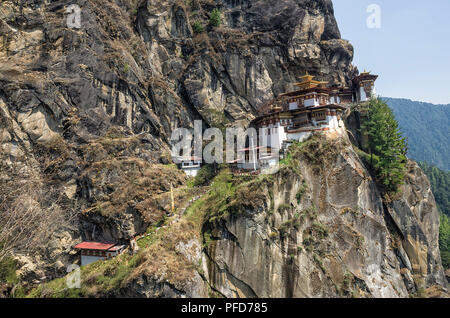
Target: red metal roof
x,y
94,246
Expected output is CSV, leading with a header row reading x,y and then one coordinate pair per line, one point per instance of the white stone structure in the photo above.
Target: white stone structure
x,y
190,165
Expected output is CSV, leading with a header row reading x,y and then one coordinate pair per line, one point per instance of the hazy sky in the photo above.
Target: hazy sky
x,y
411,50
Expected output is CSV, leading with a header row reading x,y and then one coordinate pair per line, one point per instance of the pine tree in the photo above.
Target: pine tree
x,y
440,184
215,19
444,240
386,145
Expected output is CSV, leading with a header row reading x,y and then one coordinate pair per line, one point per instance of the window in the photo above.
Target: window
x,y
319,116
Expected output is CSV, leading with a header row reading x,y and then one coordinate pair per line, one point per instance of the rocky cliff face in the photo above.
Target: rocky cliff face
x,y
139,64
324,231
80,106
87,113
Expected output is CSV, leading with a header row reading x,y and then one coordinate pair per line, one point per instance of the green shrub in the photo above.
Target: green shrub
x,y
205,175
440,184
8,268
215,19
319,262
301,192
198,27
308,243
320,230
444,240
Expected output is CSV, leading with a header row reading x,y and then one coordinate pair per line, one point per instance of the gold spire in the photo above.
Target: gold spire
x,y
308,82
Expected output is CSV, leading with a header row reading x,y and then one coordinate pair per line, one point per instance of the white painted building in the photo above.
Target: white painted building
x,y
335,100
313,107
324,119
365,86
190,165
256,158
273,134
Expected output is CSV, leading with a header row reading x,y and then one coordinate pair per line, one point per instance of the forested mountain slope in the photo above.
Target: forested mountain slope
x,y
440,184
427,128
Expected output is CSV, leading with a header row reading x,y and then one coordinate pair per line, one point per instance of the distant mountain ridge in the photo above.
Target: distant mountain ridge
x,y
427,128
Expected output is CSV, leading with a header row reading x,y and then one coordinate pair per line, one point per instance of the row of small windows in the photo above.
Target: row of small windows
x,y
190,164
96,253
320,115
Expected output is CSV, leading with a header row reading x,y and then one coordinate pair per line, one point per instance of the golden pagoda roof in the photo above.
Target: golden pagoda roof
x,y
308,82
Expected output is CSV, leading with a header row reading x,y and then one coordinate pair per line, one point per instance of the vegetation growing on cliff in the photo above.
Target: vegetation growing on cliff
x,y
198,27
316,150
8,268
444,240
440,185
230,195
205,175
215,19
159,258
97,278
386,146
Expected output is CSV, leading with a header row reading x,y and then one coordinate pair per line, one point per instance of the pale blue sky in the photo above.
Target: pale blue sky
x,y
411,50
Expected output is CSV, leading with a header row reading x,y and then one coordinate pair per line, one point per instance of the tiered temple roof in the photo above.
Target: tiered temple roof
x,y
364,77
309,88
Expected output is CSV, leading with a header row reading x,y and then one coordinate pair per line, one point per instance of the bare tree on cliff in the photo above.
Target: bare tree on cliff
x,y
30,212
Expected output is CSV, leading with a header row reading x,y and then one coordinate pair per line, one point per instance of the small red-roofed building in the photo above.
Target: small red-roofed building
x,y
94,251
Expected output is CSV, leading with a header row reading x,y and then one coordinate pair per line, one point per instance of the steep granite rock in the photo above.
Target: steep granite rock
x,y
109,94
416,217
323,234
320,228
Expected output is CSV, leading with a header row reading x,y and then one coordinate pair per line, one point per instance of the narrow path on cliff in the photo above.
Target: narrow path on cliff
x,y
175,217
